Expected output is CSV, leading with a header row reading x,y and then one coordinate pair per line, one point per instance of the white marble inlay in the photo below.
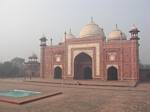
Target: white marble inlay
x,y
111,65
57,66
89,45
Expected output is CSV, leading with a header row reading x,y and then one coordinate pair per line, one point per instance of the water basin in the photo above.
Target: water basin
x,y
18,93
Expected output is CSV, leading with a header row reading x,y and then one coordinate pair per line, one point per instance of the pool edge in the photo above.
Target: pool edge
x,y
28,100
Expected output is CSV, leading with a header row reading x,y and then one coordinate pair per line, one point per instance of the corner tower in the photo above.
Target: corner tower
x,y
134,52
42,56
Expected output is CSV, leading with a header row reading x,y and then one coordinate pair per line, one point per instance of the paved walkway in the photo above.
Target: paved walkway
x,y
82,98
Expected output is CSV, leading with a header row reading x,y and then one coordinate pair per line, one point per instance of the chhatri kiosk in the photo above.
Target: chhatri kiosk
x,y
92,55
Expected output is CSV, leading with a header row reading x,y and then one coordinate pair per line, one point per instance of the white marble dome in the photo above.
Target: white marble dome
x,y
117,34
92,29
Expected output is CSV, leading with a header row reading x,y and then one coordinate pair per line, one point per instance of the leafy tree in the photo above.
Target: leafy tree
x,y
18,61
12,68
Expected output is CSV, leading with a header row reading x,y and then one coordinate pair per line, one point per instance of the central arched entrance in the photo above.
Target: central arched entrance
x,y
57,73
87,73
112,73
83,66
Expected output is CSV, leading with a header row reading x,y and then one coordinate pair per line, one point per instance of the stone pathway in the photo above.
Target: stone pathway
x,y
80,98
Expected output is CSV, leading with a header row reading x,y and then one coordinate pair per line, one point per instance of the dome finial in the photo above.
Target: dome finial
x,y
51,40
70,32
116,26
65,34
92,19
43,35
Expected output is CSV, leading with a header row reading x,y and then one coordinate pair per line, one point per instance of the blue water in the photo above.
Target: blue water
x,y
18,93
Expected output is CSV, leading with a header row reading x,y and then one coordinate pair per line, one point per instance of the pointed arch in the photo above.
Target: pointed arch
x,y
83,66
57,73
112,73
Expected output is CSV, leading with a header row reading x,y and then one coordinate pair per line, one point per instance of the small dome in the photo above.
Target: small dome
x,y
70,35
116,34
92,29
134,29
34,56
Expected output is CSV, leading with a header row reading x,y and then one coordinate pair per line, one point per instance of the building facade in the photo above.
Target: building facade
x,y
32,67
92,55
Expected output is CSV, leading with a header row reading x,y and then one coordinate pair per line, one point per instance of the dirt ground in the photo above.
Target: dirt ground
x,y
78,98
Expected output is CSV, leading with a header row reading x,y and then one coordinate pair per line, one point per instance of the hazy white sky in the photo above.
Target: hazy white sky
x,y
22,22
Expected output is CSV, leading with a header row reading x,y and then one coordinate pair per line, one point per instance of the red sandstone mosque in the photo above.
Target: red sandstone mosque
x,y
92,55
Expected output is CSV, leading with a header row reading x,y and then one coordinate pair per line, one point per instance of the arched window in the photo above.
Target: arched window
x,y
57,73
112,73
82,66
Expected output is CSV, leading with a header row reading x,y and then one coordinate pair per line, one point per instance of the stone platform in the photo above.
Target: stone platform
x,y
85,82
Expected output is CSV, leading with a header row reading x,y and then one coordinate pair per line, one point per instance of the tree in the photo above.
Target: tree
x,y
12,68
18,62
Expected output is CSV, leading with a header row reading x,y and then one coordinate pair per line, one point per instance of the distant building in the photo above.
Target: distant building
x,y
32,67
92,55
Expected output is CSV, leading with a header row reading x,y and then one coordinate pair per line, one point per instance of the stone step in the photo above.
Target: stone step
x,y
87,82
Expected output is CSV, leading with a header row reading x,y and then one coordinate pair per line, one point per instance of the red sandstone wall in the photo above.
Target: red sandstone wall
x,y
50,60
126,58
